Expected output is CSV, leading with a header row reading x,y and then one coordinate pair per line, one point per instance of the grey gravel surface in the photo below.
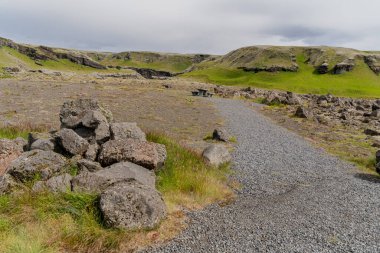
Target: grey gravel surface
x,y
296,198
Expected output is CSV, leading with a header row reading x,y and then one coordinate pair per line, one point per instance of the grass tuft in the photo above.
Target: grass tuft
x,y
186,180
21,130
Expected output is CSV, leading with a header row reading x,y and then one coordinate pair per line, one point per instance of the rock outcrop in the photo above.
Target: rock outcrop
x,y
343,67
373,62
323,68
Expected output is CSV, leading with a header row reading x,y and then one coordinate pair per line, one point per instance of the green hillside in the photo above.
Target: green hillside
x,y
158,61
361,82
348,72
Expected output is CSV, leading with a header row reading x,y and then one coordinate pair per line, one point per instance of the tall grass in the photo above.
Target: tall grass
x,y
186,180
71,222
21,130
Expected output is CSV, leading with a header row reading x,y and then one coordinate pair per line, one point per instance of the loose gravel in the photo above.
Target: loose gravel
x,y
295,197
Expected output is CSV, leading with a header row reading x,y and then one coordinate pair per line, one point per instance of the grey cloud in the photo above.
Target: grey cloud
x,y
209,26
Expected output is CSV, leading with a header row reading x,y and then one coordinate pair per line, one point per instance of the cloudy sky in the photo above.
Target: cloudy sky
x,y
191,26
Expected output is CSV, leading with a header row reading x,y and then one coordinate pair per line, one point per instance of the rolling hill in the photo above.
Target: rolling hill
x,y
339,71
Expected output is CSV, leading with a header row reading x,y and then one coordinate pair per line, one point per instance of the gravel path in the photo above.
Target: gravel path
x,y
296,198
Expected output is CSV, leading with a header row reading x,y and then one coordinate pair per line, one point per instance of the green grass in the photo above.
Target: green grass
x,y
43,222
361,82
71,222
186,180
11,58
12,132
164,62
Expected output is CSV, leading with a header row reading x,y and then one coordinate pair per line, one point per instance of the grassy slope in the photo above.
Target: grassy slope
x,y
362,82
12,58
71,222
171,63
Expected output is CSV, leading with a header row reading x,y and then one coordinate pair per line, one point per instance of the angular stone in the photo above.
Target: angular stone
x,y
88,165
42,144
34,136
92,119
119,172
126,130
73,112
132,206
221,134
37,164
9,151
102,133
135,151
61,183
71,142
92,152
216,155
303,112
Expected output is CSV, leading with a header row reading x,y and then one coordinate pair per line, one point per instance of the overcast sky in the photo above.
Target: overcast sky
x,y
191,26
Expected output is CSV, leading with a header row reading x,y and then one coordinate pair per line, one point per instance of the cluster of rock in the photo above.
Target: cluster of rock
x,y
362,114
113,160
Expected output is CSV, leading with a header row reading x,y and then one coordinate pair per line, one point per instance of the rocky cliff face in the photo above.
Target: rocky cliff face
x,y
46,53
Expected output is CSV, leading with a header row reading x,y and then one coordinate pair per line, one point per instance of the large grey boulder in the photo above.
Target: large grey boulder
x,y
126,130
216,154
119,172
61,183
132,206
71,142
135,151
37,164
73,112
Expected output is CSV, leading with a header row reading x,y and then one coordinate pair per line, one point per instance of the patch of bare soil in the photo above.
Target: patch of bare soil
x,y
172,111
